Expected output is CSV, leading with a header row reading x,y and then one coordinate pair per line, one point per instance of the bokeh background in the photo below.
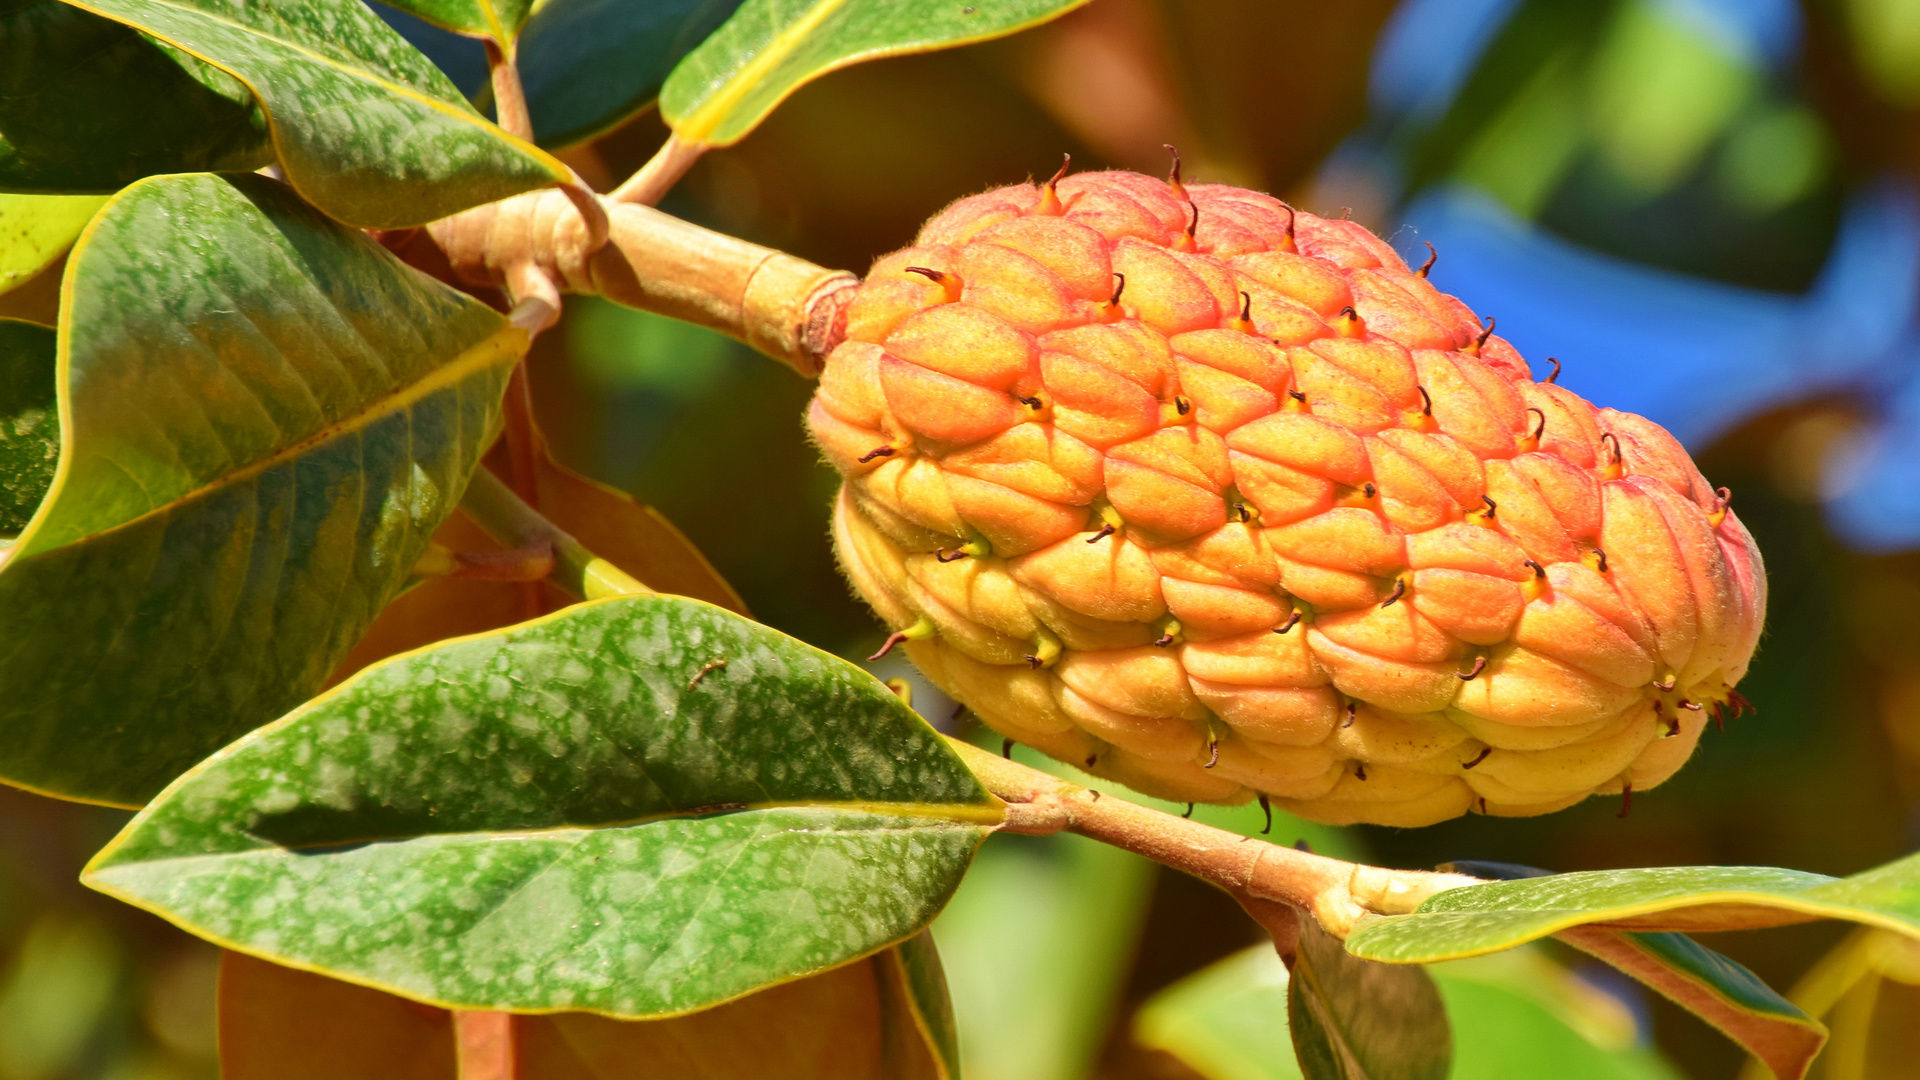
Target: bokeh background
x,y
1705,209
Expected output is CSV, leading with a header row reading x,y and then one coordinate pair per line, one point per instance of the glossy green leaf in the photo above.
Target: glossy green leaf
x,y
589,65
770,48
1354,1019
364,127
1717,990
500,20
639,806
1499,915
29,421
265,416
90,105
1516,1014
36,229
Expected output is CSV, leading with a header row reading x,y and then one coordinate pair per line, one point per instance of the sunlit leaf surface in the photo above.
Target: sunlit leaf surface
x,y
497,19
770,48
35,229
365,127
267,416
1498,915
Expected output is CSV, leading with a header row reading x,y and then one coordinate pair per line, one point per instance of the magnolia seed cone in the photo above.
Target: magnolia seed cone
x,y
1271,515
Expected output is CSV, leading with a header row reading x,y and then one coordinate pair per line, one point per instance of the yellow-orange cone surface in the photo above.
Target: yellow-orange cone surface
x,y
1271,516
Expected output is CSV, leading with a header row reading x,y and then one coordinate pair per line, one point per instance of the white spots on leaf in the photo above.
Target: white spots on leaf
x,y
333,785
274,801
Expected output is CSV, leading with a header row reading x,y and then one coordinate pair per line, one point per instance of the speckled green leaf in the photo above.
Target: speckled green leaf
x,y
90,105
500,20
589,65
639,806
770,48
1501,914
29,421
36,229
264,416
1353,1019
364,127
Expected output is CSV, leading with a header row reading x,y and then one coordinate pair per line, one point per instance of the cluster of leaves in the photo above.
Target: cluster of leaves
x,y
225,454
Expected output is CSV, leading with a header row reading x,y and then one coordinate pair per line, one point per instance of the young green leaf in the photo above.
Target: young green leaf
x,y
500,20
36,229
89,105
640,806
29,420
1512,1015
770,48
365,127
589,65
1502,914
266,416
1717,990
1353,1019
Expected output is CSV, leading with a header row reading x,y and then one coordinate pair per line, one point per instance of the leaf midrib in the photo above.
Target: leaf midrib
x,y
941,815
363,74
706,117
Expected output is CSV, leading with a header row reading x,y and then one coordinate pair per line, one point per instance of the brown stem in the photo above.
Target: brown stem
x,y
657,177
1338,893
509,99
507,518
483,1045
786,307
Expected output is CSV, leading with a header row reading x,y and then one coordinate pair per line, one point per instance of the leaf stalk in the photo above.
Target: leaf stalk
x,y
663,170
508,519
